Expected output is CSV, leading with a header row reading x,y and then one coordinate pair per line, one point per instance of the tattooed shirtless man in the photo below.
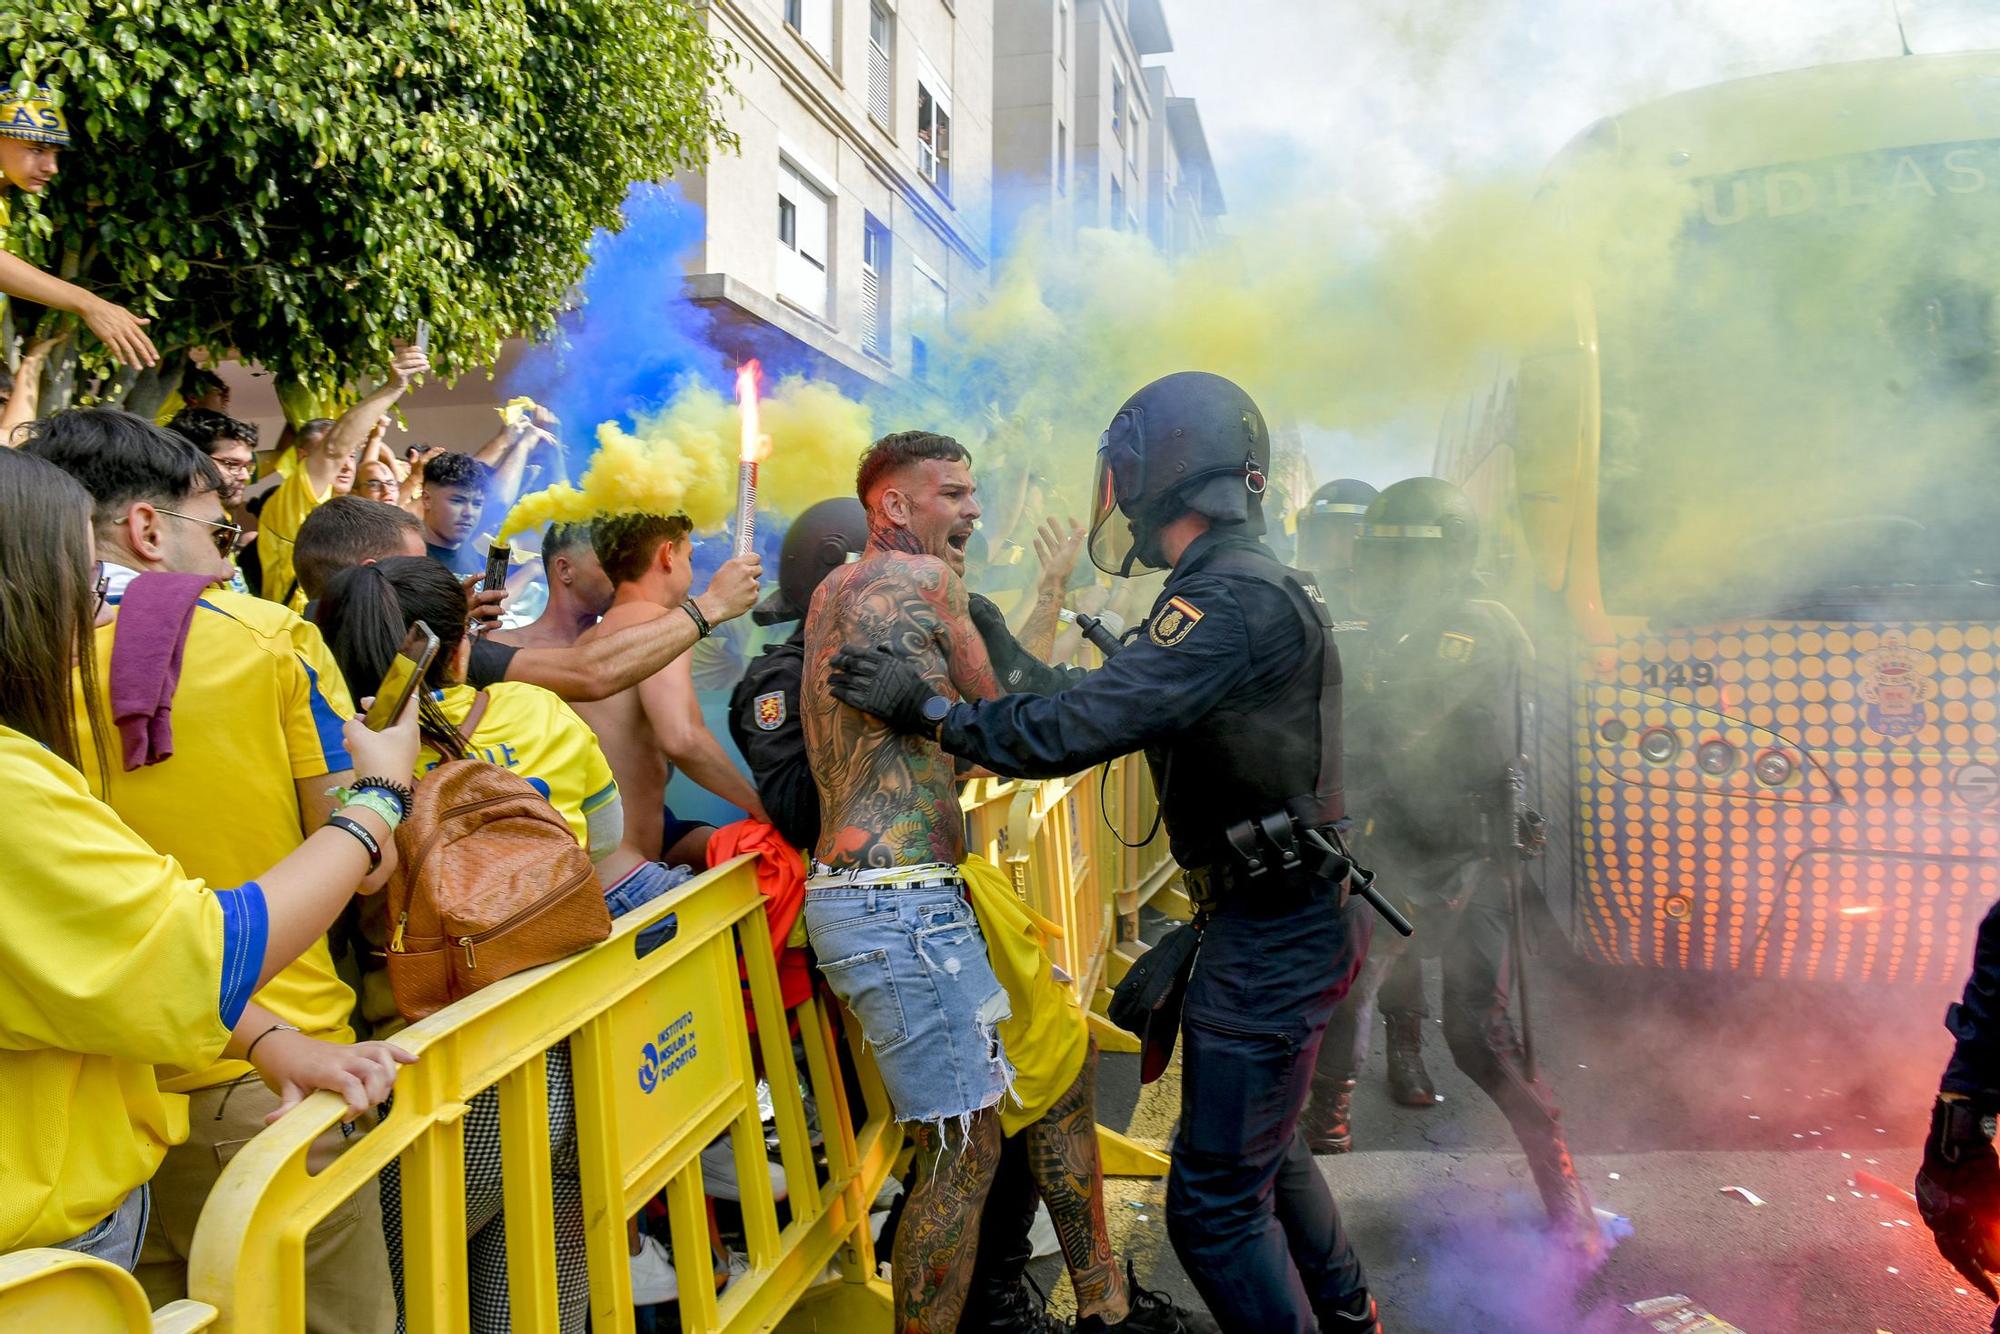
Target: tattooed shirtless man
x,y
889,921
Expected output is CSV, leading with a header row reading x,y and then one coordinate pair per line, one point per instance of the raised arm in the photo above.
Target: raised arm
x,y
350,430
119,329
623,658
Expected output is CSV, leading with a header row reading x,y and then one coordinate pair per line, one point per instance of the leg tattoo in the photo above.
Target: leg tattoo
x,y
938,1238
1062,1153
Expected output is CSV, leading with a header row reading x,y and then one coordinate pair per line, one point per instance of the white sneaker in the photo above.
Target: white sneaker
x,y
738,1266
718,1172
653,1277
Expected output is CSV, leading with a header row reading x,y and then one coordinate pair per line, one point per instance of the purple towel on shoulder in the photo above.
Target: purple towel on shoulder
x,y
146,647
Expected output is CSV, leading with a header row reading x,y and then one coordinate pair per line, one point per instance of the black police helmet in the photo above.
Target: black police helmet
x,y
1415,546
1189,442
1326,528
819,542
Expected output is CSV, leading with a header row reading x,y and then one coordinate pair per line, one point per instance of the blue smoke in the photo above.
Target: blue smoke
x,y
636,338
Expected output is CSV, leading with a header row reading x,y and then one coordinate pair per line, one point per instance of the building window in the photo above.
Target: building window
x,y
881,43
805,225
875,287
1117,205
1118,104
1062,158
1062,33
934,137
920,360
812,20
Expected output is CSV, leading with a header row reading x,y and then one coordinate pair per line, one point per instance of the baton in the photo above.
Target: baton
x,y
1366,889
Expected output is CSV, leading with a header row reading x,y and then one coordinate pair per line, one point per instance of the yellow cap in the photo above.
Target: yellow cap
x,y
35,117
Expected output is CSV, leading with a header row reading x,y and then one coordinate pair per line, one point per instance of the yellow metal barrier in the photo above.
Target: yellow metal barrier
x,y
1068,865
662,1064
76,1294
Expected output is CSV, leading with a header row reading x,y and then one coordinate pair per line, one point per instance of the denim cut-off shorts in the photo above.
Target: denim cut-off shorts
x,y
909,960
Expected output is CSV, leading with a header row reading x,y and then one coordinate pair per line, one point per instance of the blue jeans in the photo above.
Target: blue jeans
x,y
642,886
1249,1214
120,1234
910,963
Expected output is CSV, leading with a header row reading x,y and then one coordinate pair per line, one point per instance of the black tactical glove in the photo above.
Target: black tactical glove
x,y
891,688
1018,670
1958,1191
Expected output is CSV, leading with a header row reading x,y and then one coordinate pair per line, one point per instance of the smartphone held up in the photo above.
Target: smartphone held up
x,y
405,674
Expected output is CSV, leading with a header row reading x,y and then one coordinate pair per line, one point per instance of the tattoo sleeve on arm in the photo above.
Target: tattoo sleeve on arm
x,y
1038,631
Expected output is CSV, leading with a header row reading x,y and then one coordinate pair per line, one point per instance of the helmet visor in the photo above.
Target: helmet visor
x,y
1398,569
1121,471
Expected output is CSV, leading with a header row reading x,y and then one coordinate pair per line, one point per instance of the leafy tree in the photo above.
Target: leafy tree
x,y
300,181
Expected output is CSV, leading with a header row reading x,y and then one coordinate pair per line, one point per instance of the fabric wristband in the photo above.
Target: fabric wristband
x,y
701,626
375,799
402,792
361,835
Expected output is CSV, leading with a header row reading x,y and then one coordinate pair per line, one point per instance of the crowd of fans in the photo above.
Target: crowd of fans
x,y
199,826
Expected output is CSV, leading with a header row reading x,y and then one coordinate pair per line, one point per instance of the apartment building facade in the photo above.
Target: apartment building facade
x,y
859,208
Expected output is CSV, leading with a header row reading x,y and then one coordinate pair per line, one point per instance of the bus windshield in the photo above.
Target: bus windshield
x,y
1801,398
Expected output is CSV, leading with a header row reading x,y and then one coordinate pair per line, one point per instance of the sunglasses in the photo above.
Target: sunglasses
x,y
224,536
103,591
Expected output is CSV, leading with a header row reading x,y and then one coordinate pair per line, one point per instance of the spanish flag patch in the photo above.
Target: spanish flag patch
x,y
1175,622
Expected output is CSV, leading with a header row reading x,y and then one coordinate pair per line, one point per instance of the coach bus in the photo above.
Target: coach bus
x,y
1745,496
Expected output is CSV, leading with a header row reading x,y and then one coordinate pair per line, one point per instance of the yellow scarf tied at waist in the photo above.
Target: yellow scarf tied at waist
x,y
1047,1036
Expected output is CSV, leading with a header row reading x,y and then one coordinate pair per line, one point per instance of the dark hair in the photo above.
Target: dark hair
x,y
199,380
893,453
364,614
47,605
454,469
561,537
626,543
345,532
204,428
311,431
121,459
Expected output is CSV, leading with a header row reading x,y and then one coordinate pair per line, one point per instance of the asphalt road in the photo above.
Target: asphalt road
x,y
1675,1088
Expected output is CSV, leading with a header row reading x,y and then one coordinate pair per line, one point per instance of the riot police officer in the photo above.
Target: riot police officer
x,y
764,707
1327,526
1958,1187
1435,738
1232,688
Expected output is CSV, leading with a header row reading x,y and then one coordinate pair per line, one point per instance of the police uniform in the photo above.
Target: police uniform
x,y
764,720
1433,732
1223,689
1958,1186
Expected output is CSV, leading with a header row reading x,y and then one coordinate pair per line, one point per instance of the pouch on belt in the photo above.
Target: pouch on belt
x,y
1147,1004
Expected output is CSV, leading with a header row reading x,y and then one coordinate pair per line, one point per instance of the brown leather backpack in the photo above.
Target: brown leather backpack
x,y
490,881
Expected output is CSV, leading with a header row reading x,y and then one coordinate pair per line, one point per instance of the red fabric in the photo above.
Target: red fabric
x,y
146,649
781,876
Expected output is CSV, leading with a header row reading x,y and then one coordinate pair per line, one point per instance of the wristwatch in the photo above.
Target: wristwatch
x,y
935,710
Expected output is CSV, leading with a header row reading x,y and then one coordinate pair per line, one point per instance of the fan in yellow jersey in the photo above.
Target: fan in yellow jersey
x,y
365,611
224,759
115,959
324,469
33,134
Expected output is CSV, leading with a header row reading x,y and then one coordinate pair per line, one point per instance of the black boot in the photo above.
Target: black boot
x,y
1149,1313
1018,1308
1572,1219
1326,1121
1357,1317
1409,1083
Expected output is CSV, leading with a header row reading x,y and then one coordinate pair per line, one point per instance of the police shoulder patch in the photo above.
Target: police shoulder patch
x,y
1175,622
770,709
1455,647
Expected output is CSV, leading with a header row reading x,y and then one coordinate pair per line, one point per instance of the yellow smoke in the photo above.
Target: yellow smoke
x,y
682,459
